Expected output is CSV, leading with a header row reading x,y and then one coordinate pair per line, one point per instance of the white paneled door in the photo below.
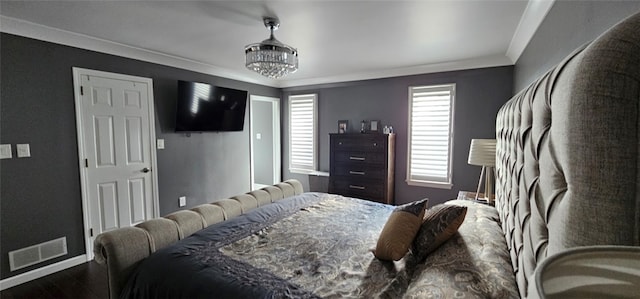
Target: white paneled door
x,y
115,129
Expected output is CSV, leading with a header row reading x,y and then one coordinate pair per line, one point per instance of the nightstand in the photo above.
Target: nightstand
x,y
471,196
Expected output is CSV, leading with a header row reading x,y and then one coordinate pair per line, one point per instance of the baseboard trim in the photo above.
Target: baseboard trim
x,y
41,272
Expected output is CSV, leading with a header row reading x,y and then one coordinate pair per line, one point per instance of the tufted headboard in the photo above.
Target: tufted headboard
x,y
568,154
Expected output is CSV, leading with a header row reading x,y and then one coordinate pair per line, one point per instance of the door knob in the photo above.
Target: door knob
x,y
145,170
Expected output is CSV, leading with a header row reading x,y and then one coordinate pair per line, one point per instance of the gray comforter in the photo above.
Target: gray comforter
x,y
318,245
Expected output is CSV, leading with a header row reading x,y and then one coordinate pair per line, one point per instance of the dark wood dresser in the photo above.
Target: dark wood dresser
x,y
362,166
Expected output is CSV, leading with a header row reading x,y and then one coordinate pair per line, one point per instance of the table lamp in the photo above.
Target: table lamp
x,y
483,153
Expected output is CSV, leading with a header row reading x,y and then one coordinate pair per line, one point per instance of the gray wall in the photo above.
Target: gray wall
x,y
40,196
568,25
479,94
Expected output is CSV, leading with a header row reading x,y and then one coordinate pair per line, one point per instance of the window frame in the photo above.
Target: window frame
x,y
295,168
448,182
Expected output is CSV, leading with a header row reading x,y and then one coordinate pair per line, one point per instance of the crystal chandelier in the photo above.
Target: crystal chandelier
x,y
270,57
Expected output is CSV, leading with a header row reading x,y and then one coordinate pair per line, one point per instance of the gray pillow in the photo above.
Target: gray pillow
x,y
439,224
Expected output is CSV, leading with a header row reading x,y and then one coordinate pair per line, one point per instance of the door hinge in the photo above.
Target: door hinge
x,y
86,163
91,232
81,90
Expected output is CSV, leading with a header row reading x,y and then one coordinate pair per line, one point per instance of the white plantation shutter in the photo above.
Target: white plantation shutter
x,y
430,135
302,133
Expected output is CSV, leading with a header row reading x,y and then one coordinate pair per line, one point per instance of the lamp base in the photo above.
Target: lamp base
x,y
487,172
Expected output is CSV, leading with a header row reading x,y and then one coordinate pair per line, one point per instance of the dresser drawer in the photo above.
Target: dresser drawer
x,y
358,157
369,189
362,142
358,170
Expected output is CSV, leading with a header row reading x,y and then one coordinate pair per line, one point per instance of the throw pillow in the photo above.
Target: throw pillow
x,y
440,223
399,230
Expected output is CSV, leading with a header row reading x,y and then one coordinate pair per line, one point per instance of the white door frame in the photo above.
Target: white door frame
x,y
77,73
275,102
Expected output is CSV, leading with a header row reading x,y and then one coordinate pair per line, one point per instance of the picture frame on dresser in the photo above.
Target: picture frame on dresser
x,y
343,125
374,126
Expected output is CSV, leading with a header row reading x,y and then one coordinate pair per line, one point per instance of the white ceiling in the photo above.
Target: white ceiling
x,y
336,40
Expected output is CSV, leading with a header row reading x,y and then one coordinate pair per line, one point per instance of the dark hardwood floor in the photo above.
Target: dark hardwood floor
x,y
88,280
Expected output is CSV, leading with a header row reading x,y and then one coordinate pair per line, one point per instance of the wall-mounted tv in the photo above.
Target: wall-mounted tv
x,y
206,108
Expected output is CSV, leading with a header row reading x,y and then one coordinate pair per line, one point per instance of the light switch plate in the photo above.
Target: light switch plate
x,y
259,136
160,143
23,150
183,201
5,151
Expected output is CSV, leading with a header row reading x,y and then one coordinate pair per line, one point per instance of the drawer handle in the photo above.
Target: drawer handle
x,y
357,172
356,187
356,158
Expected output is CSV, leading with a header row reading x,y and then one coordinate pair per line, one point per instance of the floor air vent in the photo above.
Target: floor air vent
x,y
32,255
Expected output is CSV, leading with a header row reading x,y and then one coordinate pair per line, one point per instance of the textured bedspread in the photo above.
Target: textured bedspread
x,y
318,246
474,263
325,248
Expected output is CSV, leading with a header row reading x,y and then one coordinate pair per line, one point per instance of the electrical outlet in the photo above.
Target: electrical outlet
x,y
183,201
160,143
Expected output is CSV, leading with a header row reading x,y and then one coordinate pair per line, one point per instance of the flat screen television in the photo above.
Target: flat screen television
x,y
207,108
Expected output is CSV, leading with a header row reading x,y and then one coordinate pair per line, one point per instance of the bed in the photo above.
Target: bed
x,y
567,176
318,245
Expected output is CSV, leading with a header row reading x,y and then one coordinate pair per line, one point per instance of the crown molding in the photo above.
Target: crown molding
x,y
68,38
533,15
481,62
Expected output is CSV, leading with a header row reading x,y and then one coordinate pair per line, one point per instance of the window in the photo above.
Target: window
x,y
430,135
303,133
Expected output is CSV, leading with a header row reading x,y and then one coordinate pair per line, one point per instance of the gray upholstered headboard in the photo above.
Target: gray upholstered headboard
x,y
568,154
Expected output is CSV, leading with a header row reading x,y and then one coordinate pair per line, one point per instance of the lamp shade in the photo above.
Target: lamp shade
x,y
482,152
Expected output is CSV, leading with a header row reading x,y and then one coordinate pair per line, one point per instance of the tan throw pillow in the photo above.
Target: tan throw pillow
x,y
440,223
398,233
